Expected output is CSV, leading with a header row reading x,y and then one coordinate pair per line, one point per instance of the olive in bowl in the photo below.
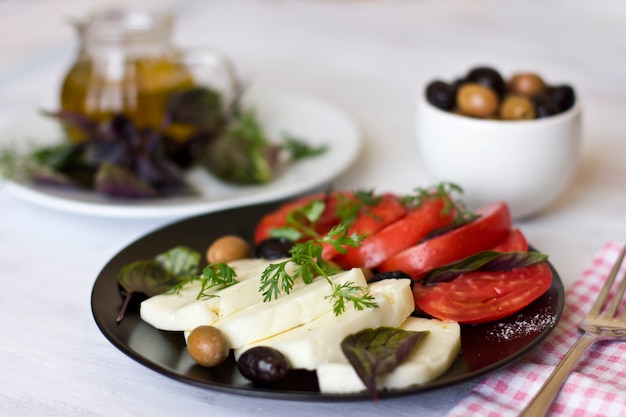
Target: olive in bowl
x,y
484,93
527,162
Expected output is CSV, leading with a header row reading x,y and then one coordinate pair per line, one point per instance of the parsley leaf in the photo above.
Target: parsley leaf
x,y
308,262
444,191
349,208
218,276
215,276
349,292
301,222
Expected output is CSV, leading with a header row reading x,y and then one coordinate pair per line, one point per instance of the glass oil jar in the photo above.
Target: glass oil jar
x,y
126,65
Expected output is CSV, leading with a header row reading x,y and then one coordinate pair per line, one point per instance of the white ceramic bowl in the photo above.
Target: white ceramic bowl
x,y
527,164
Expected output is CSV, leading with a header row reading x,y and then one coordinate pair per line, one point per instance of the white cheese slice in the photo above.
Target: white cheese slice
x,y
183,311
300,306
432,356
318,341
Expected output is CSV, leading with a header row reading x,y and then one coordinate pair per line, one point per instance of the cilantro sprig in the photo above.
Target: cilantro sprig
x,y
307,256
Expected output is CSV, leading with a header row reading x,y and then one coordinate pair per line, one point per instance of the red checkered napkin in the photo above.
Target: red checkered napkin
x,y
597,387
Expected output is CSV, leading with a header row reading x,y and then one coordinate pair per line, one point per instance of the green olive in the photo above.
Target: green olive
x,y
528,84
476,100
207,346
517,107
227,249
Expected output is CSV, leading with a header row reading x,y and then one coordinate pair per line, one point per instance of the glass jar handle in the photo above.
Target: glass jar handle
x,y
212,69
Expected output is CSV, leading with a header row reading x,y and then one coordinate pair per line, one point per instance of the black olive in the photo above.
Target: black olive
x,y
458,83
563,96
488,77
544,106
390,275
441,95
274,248
263,364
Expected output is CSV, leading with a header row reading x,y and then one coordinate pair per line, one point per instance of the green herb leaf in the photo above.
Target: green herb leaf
x,y
299,149
116,180
483,261
242,154
180,260
376,352
166,272
218,276
146,277
200,108
301,222
292,234
444,191
349,208
348,292
306,258
276,280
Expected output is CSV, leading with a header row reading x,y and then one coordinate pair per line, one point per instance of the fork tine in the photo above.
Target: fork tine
x,y
606,288
617,299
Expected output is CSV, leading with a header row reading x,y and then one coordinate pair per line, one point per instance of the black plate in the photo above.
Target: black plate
x,y
484,347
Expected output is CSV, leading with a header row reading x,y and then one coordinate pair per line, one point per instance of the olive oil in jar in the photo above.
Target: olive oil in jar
x,y
125,65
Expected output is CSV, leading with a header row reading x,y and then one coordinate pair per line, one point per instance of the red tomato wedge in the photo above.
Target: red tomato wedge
x,y
397,236
514,242
490,229
371,220
480,297
278,218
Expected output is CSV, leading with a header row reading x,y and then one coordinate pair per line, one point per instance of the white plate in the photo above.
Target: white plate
x,y
310,118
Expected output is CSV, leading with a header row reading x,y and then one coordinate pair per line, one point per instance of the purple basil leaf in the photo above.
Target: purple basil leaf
x,y
49,177
121,127
158,171
483,261
75,120
117,181
113,151
376,352
158,275
145,277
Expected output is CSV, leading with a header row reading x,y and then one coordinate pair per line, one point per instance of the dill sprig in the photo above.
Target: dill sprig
x,y
276,279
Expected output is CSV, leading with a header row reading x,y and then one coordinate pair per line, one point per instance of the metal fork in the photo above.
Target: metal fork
x,y
599,324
